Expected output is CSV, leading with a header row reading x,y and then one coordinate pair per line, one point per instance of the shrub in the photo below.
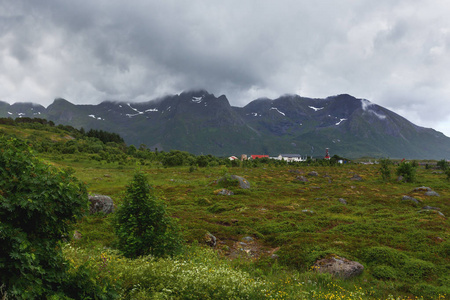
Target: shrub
x,y
407,170
38,204
385,170
142,225
443,164
384,272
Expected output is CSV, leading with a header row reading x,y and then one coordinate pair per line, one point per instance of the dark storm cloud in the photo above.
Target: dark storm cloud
x,y
394,53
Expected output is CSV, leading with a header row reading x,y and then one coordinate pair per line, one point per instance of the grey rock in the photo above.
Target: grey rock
x,y
247,239
225,192
400,178
210,239
339,266
313,173
274,256
422,189
308,211
431,193
243,183
356,177
406,198
343,201
100,203
301,178
431,207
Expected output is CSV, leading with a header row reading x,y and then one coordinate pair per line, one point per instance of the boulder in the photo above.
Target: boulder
x,y
431,193
431,207
210,239
409,198
301,178
243,183
247,239
356,177
100,203
422,189
343,201
313,173
223,192
339,266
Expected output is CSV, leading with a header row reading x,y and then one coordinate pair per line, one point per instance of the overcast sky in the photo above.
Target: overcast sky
x,y
394,53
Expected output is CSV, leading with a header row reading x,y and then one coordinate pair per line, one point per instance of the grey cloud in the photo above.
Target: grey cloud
x,y
393,53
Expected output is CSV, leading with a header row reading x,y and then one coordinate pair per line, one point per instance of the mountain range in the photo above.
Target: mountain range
x,y
201,123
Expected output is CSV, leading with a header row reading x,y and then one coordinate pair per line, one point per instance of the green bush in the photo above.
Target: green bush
x,y
38,204
407,170
384,272
142,224
384,256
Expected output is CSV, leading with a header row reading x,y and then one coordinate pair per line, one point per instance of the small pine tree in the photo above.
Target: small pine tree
x,y
142,224
385,170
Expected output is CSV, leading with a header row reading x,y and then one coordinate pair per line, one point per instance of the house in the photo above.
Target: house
x,y
290,157
232,158
253,156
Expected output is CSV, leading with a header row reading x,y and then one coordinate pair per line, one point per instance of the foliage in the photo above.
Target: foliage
x,y
38,204
143,226
201,274
407,170
105,137
385,170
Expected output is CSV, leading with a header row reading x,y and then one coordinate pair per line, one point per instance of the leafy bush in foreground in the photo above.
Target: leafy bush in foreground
x,y
38,203
142,225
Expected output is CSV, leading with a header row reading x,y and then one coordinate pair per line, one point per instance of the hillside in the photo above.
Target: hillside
x,y
201,123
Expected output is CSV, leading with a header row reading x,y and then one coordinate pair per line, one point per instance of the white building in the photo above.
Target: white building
x,y
291,157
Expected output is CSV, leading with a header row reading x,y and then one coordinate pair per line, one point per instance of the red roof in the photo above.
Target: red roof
x,y
259,156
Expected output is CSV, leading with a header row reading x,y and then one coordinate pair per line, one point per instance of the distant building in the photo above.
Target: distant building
x,y
253,156
232,158
290,157
327,155
244,157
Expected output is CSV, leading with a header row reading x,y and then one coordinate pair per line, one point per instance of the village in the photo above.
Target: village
x,y
285,157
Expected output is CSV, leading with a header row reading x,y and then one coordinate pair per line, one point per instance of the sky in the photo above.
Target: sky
x,y
395,53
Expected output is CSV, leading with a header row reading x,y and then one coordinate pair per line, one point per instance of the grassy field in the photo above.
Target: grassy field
x,y
273,232
268,236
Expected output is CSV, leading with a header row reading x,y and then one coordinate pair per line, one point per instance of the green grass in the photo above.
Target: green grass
x,y
406,253
416,245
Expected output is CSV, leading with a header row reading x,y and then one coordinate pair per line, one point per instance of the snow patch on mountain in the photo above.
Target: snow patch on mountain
x,y
10,113
151,109
197,99
340,121
137,111
278,111
97,118
315,108
254,114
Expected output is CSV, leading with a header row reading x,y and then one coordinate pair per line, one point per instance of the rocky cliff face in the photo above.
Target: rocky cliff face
x,y
199,122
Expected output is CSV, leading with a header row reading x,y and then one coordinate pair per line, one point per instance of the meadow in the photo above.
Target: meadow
x,y
268,237
291,224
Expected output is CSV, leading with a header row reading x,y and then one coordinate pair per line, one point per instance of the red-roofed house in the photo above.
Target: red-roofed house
x,y
253,156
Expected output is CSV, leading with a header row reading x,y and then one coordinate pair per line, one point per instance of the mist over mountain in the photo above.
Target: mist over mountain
x,y
201,123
